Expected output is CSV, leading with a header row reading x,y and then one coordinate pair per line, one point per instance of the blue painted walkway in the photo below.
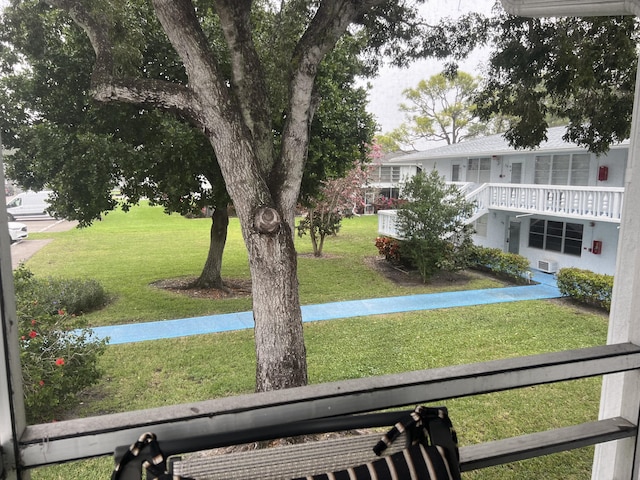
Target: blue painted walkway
x,y
139,332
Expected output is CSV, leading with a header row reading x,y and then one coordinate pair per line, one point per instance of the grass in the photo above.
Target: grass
x,y
127,252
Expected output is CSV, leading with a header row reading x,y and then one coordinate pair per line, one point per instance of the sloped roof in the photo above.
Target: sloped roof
x,y
493,145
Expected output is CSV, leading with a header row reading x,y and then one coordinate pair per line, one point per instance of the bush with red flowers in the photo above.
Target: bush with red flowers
x,y
59,354
389,248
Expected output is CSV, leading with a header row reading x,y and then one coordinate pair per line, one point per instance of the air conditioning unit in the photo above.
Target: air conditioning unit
x,y
547,266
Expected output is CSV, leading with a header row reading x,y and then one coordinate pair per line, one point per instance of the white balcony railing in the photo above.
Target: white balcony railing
x,y
387,223
588,203
594,203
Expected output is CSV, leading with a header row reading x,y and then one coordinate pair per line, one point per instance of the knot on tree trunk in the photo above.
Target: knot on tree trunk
x,y
267,220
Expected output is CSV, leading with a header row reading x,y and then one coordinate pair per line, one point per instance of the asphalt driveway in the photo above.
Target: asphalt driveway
x,y
25,249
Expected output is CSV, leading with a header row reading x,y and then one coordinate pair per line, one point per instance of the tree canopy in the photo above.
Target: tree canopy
x,y
580,69
144,152
440,108
223,89
147,153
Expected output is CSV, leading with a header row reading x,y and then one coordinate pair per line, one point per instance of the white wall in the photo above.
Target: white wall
x,y
606,232
616,162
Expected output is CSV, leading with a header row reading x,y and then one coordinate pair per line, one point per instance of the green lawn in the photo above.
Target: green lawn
x,y
126,252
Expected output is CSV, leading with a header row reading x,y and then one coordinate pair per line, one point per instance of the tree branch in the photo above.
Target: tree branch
x,y
106,87
179,21
248,74
158,93
327,26
96,28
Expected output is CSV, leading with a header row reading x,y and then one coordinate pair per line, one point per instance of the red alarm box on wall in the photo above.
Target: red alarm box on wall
x,y
603,173
597,247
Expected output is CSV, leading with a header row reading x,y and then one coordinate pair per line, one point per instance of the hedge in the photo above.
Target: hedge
x,y
510,265
586,287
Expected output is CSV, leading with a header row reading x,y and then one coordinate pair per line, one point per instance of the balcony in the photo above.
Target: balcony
x,y
603,204
587,203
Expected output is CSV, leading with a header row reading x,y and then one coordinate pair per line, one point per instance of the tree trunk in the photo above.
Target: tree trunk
x,y
235,116
312,231
318,250
280,349
211,276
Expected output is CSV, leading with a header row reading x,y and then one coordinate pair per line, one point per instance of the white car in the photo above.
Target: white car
x,y
17,231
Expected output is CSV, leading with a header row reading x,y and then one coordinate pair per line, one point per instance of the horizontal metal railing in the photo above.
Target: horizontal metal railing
x,y
231,420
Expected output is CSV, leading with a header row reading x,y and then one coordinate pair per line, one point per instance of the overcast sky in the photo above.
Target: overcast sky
x,y
386,93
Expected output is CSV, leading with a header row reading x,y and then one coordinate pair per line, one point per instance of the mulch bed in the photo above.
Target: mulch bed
x,y
239,288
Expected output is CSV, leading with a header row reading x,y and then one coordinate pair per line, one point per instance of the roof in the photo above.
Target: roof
x,y
493,145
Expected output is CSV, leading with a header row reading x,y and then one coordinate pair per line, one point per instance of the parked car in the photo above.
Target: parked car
x,y
28,204
17,231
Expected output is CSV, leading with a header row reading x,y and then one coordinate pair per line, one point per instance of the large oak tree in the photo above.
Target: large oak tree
x,y
147,153
262,173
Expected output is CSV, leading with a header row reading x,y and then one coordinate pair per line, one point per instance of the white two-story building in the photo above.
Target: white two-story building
x,y
559,205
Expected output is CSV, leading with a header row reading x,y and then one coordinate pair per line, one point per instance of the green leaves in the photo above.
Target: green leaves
x,y
586,287
442,107
513,266
58,353
433,224
578,69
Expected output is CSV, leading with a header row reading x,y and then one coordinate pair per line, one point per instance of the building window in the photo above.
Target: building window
x,y
389,174
391,192
516,172
563,169
556,236
479,170
455,173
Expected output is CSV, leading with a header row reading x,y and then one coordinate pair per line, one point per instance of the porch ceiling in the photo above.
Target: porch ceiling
x,y
580,8
547,213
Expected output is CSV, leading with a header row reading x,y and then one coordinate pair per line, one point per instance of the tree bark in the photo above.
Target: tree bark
x,y
280,349
234,114
211,276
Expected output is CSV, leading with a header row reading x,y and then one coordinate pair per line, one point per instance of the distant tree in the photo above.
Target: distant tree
x,y
441,108
433,224
397,140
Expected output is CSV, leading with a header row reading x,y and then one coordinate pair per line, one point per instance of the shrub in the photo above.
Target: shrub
x,y
433,224
58,353
389,248
429,257
586,287
510,265
74,296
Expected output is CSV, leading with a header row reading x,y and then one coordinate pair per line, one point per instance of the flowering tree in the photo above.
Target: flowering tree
x,y
338,197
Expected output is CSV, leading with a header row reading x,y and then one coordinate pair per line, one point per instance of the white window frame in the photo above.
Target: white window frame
x,y
475,171
575,174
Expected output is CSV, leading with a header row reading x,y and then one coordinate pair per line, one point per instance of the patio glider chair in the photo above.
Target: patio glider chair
x,y
320,446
